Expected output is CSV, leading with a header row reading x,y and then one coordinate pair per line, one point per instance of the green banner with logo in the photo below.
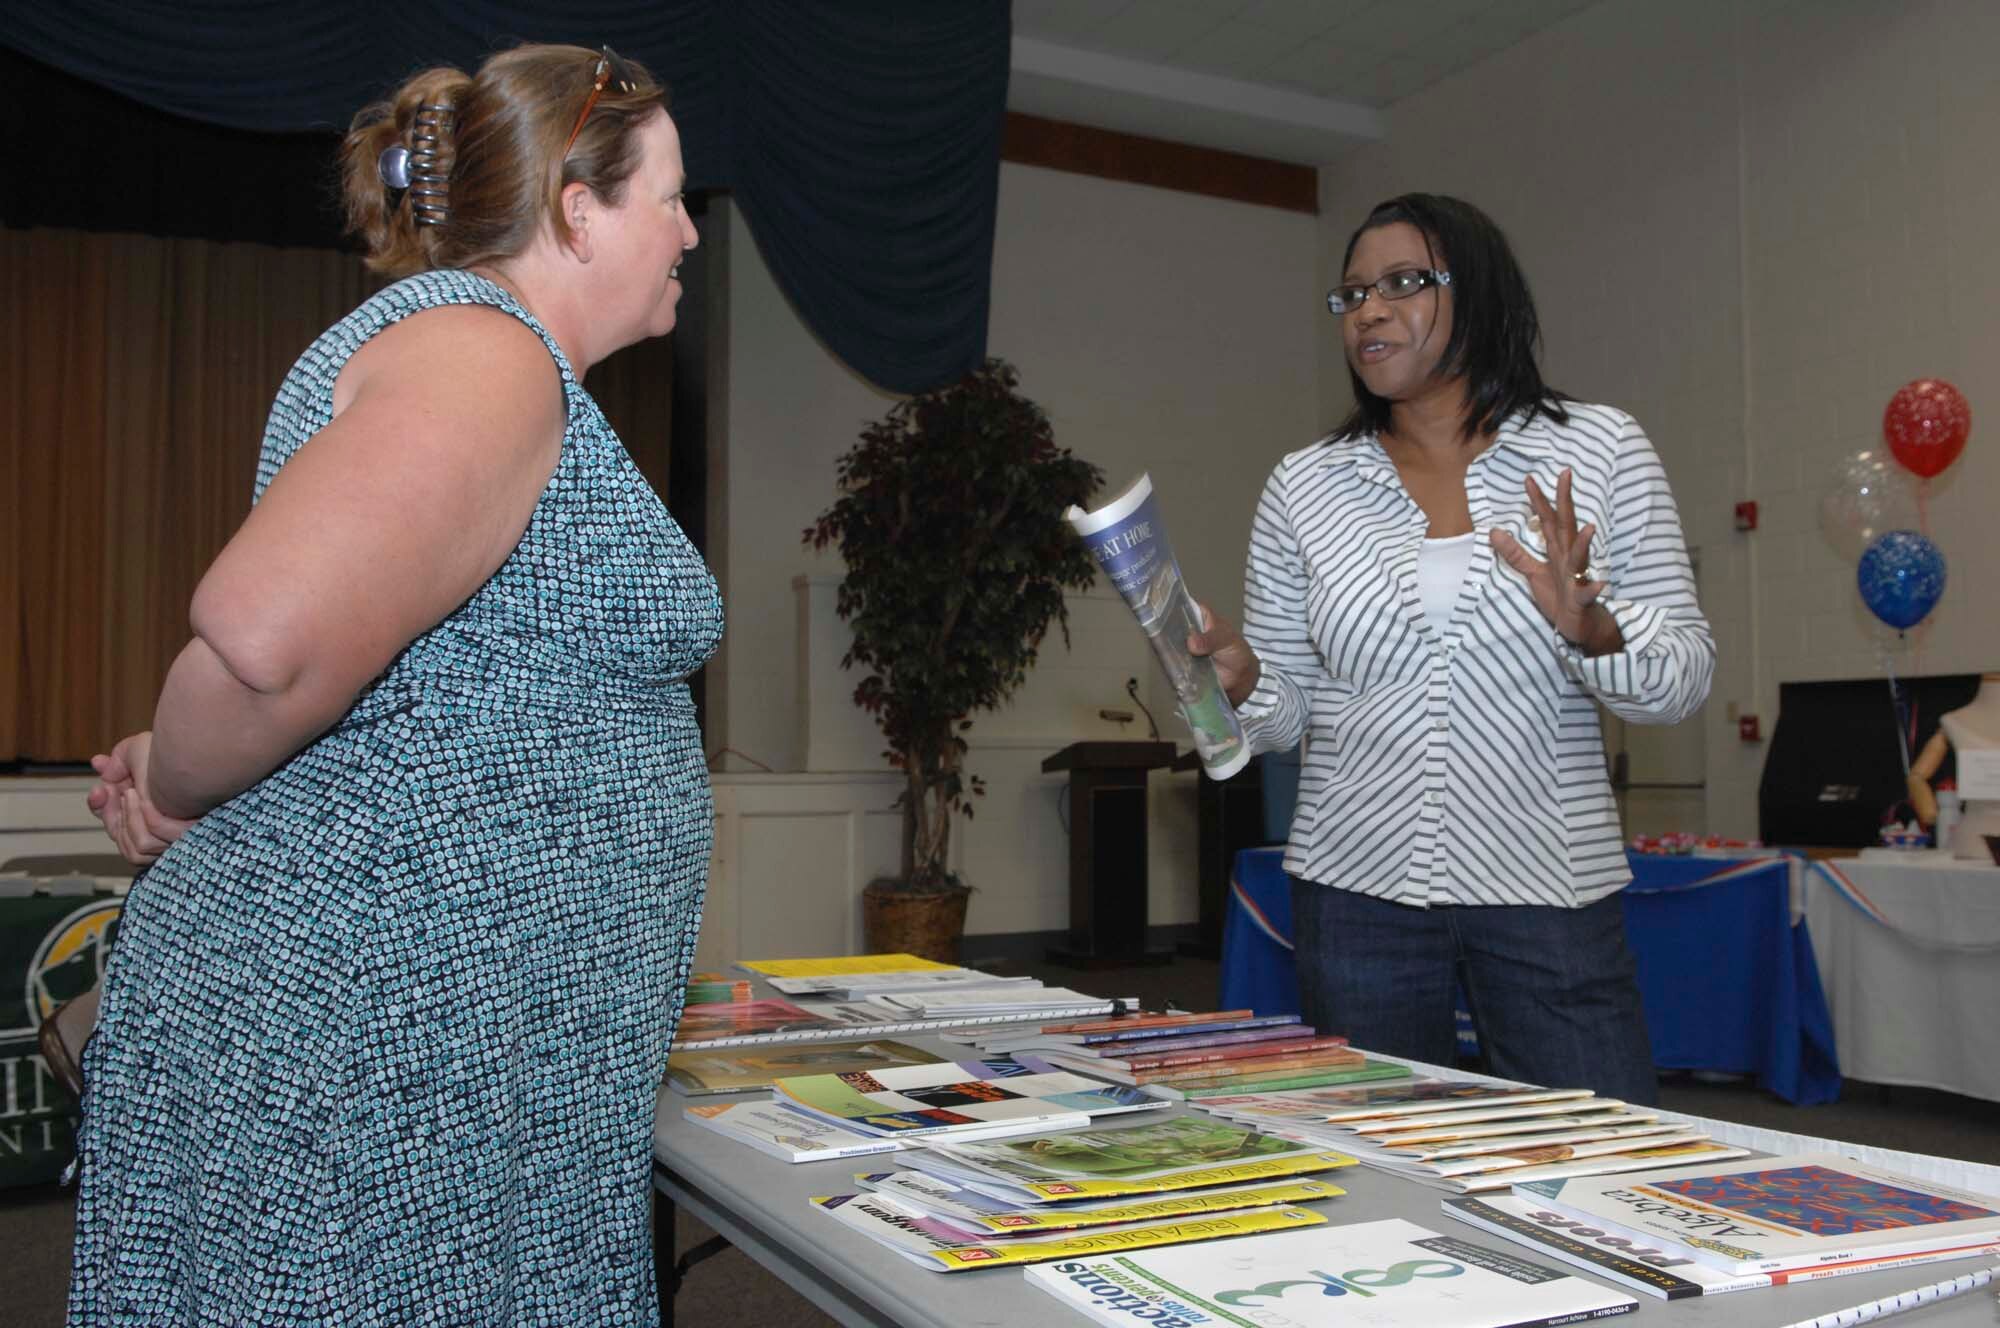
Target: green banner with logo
x,y
52,949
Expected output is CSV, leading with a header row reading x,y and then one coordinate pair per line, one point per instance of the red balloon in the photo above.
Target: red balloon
x,y
1926,425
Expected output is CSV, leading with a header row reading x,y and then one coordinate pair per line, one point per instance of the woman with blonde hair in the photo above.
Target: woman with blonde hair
x,y
423,805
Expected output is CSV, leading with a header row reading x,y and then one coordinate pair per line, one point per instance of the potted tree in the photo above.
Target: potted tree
x,y
950,523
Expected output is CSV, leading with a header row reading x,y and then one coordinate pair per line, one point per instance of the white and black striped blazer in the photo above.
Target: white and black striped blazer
x,y
1465,765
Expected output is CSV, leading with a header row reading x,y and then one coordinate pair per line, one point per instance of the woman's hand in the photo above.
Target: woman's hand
x,y
1565,588
122,801
1236,664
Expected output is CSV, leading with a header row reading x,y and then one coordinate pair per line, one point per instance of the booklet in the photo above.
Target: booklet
x,y
1386,1273
940,1098
740,1070
942,1247
789,1136
1129,541
966,1207
1182,1153
1418,1097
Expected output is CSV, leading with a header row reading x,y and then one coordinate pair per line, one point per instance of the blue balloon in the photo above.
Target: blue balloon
x,y
1901,578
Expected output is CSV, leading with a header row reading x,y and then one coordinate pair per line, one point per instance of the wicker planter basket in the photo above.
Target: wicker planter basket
x,y
927,924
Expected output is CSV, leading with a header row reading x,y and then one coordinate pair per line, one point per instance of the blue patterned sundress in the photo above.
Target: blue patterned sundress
x,y
380,1036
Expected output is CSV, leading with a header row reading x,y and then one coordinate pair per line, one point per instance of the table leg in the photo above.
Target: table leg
x,y
671,1271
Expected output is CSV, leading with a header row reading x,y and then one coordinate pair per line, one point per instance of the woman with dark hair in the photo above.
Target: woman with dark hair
x,y
423,807
1439,595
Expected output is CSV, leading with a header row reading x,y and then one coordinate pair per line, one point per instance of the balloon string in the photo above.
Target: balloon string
x,y
1903,735
1924,506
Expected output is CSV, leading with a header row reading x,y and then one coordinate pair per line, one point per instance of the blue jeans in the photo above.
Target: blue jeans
x,y
1553,991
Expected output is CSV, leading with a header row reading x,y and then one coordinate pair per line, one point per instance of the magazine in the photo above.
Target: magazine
x,y
940,1098
790,1136
1384,1273
1497,1171
976,1211
740,1070
1115,1036
1129,541
1779,1214
1185,1152
942,1247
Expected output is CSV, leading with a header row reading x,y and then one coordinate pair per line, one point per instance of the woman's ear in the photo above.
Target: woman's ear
x,y
579,209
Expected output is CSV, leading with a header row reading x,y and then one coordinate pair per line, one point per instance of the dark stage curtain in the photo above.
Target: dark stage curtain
x,y
860,139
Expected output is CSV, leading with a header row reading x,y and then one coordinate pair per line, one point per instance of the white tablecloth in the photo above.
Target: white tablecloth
x,y
1908,948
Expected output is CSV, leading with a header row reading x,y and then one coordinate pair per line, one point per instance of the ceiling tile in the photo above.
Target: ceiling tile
x,y
1237,50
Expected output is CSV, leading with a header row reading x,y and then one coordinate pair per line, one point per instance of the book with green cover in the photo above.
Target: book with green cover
x,y
1308,1079
1185,1152
942,1247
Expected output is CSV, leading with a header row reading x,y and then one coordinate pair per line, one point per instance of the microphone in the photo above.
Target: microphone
x,y
1132,690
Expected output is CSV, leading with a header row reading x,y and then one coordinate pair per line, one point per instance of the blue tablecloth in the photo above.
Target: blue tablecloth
x,y
1725,970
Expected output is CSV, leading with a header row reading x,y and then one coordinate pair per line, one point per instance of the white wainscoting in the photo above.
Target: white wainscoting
x,y
45,814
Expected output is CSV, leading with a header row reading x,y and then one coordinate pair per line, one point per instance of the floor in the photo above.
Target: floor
x,y
36,1225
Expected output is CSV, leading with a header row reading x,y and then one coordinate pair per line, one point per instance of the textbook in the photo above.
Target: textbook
x,y
1387,1274
982,1213
1181,1153
786,1135
1641,1265
741,1070
942,1247
1779,1214
940,1098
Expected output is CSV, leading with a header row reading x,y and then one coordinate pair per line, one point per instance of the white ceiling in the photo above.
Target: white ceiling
x,y
1298,80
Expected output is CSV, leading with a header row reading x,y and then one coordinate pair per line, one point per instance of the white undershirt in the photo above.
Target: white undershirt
x,y
1441,568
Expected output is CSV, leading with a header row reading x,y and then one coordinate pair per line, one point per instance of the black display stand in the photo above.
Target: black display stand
x,y
1107,851
1229,815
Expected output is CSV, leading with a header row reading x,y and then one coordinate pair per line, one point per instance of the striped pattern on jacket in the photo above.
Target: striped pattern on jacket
x,y
1464,764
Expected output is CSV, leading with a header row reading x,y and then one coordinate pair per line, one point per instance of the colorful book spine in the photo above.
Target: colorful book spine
x,y
1241,1051
1124,1050
1306,1079
1252,1068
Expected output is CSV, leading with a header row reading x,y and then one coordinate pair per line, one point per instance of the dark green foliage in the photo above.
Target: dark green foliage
x,y
950,522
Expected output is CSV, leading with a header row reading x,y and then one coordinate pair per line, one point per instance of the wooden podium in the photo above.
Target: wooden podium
x,y
1230,816
1107,851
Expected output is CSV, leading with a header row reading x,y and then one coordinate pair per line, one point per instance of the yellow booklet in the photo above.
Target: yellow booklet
x,y
940,1247
839,966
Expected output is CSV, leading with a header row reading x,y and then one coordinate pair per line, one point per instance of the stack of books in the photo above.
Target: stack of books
x,y
1194,1055
1475,1138
714,989
1705,1230
960,1205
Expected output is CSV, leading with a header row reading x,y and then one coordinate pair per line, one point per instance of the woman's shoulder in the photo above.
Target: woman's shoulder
x,y
1588,429
1328,449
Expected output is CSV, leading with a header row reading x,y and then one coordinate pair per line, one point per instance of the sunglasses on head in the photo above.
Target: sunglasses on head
x,y
610,72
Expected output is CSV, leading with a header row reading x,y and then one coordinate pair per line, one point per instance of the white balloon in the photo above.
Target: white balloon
x,y
1871,496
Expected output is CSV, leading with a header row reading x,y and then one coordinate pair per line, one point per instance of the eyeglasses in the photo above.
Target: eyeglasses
x,y
1399,285
610,70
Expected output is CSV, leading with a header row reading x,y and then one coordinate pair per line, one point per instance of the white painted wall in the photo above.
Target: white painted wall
x,y
1161,331
1747,222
